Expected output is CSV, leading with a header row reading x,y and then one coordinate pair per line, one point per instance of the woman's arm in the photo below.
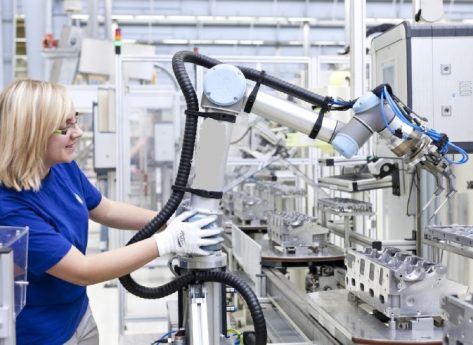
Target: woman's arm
x,y
80,269
119,215
180,237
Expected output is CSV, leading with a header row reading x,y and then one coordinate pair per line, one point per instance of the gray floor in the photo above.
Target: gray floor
x,y
105,305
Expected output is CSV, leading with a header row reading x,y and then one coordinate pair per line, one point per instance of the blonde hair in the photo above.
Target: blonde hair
x,y
30,111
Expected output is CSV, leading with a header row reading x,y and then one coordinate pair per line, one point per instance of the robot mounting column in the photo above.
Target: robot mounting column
x,y
224,91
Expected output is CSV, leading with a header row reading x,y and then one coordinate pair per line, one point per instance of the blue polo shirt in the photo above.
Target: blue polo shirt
x,y
57,216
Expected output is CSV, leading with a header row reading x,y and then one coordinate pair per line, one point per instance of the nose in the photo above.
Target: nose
x,y
76,131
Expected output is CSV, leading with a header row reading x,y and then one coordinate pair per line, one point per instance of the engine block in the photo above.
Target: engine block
x,y
397,283
295,232
248,208
344,205
460,234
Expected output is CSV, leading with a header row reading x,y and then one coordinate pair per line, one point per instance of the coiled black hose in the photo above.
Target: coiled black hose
x,y
218,277
178,65
248,295
185,163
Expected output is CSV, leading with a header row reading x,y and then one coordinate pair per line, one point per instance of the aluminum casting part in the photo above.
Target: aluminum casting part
x,y
459,313
398,284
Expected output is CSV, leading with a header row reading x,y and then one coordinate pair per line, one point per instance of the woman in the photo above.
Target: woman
x,y
43,188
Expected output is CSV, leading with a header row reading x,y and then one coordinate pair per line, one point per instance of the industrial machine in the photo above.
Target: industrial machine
x,y
200,281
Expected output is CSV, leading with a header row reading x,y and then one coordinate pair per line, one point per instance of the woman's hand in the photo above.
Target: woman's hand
x,y
183,237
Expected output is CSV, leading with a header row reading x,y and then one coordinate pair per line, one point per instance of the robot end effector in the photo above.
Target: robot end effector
x,y
380,111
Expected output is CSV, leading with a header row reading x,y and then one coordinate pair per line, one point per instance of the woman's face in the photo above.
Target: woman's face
x,y
62,144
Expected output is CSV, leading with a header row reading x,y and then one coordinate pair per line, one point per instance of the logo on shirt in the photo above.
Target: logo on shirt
x,y
181,239
78,199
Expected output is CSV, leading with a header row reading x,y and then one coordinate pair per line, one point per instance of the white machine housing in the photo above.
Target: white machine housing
x,y
428,66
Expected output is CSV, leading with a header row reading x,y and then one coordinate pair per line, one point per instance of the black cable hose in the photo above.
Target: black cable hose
x,y
222,277
179,59
252,74
248,295
185,163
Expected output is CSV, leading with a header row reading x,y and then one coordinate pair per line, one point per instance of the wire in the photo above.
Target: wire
x,y
341,104
163,337
414,183
242,136
445,146
383,114
239,335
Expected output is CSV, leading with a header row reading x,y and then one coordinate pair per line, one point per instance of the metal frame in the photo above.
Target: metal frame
x,y
122,92
7,298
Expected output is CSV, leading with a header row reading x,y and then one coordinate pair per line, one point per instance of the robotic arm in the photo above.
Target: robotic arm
x,y
379,111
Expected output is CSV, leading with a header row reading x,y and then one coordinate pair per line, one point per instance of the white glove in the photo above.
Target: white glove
x,y
182,237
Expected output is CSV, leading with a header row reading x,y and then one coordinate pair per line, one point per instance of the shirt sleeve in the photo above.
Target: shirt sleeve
x,y
91,194
46,247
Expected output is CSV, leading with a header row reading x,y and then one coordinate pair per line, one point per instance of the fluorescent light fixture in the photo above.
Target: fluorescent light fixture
x,y
301,20
200,41
226,42
175,41
295,43
182,18
271,19
123,17
251,42
206,18
241,19
218,19
80,16
149,17
325,43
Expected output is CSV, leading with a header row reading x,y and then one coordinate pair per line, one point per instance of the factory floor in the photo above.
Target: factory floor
x,y
150,315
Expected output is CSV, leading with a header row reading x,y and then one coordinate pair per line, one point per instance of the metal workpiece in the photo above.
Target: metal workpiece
x,y
288,198
274,258
458,234
251,207
248,209
344,206
280,196
295,233
459,324
398,284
